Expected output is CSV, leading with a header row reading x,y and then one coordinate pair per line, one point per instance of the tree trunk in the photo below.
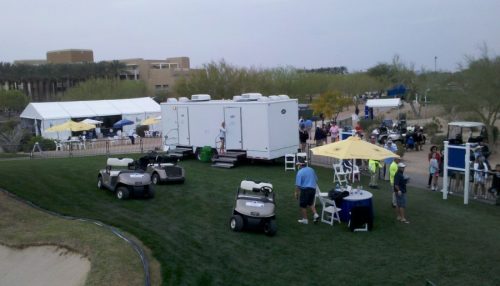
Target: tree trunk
x,y
491,142
417,114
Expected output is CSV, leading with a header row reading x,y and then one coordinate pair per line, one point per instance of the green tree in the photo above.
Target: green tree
x,y
330,104
12,101
96,89
475,89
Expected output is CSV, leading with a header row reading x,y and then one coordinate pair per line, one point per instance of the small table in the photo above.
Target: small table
x,y
357,198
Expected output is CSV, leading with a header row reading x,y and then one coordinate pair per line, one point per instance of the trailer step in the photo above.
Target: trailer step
x,y
225,160
223,165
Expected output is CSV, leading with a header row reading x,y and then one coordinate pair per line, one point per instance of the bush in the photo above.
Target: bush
x,y
44,143
431,128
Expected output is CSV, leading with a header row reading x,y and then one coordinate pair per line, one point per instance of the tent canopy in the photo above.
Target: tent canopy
x,y
379,103
92,108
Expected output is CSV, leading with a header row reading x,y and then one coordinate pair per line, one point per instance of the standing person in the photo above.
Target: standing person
x,y
373,166
434,171
303,136
495,183
305,191
319,136
480,175
131,135
222,137
434,150
387,162
334,132
359,130
400,192
393,168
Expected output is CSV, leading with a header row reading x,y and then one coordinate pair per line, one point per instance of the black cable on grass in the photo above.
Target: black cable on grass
x,y
115,231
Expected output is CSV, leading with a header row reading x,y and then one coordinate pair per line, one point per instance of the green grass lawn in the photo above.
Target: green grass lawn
x,y
186,226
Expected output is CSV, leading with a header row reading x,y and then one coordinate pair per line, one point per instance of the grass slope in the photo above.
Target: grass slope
x,y
186,226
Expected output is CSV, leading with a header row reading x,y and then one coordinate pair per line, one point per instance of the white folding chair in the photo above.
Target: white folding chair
x,y
290,162
330,211
350,170
302,157
339,174
59,145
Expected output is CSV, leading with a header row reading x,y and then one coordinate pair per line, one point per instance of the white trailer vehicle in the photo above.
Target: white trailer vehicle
x,y
259,126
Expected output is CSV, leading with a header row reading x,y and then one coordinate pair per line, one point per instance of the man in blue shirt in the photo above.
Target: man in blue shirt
x,y
305,191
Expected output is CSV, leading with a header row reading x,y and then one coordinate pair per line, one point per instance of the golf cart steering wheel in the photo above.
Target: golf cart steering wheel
x,y
265,190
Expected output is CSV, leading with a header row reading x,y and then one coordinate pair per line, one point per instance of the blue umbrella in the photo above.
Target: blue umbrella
x,y
123,122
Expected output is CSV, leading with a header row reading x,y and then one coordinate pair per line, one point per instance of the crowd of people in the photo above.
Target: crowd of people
x,y
391,169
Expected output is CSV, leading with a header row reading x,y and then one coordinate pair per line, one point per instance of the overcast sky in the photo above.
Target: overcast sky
x,y
258,33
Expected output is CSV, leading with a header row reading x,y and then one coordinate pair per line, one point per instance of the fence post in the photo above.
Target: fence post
x,y
142,145
107,147
445,172
467,173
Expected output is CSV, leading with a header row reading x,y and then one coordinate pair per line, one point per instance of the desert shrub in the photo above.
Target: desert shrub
x,y
431,128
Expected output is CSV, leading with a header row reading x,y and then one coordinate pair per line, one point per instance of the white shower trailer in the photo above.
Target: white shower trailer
x,y
263,127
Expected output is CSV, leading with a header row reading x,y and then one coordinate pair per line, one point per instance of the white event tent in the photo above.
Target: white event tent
x,y
43,115
383,103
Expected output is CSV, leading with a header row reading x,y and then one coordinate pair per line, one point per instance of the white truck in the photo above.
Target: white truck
x,y
264,127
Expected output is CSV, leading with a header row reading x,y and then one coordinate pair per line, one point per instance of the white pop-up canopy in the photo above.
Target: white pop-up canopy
x,y
47,114
381,103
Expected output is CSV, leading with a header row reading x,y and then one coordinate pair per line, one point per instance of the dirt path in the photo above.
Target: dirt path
x,y
42,265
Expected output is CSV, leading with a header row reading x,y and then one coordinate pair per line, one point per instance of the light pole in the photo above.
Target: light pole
x,y
435,63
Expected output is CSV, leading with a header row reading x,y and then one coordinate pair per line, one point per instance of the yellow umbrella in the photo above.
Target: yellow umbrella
x,y
353,148
150,121
70,125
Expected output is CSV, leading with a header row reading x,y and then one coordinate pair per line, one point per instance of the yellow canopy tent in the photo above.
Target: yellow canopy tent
x,y
70,125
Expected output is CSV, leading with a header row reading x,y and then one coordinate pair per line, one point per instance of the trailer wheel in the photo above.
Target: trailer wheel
x,y
270,228
236,223
122,193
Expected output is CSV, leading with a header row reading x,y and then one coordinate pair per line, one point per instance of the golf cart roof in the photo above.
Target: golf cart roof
x,y
466,124
119,162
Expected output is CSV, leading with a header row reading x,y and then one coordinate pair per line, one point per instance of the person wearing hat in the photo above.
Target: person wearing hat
x,y
373,166
400,192
389,145
305,191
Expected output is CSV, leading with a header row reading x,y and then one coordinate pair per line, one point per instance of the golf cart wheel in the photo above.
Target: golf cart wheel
x,y
122,193
270,228
155,178
236,223
100,184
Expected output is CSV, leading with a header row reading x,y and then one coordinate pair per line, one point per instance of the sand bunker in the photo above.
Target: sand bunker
x,y
42,265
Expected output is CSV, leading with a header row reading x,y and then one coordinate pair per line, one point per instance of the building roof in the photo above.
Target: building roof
x,y
91,108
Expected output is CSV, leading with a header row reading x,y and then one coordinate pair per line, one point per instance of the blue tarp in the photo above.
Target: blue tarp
x,y
397,90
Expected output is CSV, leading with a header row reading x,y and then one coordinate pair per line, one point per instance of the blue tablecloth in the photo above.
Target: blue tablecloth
x,y
364,199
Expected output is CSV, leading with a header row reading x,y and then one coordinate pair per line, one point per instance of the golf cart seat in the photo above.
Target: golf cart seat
x,y
256,186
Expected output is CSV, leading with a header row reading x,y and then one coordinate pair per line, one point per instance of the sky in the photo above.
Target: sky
x,y
357,34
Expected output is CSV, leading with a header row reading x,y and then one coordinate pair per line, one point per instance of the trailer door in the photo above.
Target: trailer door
x,y
183,125
232,117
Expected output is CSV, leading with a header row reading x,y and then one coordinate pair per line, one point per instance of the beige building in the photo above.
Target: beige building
x,y
70,56
159,75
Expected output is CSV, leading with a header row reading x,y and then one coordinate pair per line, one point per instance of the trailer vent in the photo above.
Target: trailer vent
x,y
183,99
284,96
171,99
274,97
264,98
251,96
200,97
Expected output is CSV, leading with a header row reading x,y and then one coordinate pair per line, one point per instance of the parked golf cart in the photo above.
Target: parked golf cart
x,y
162,168
120,177
254,208
460,132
